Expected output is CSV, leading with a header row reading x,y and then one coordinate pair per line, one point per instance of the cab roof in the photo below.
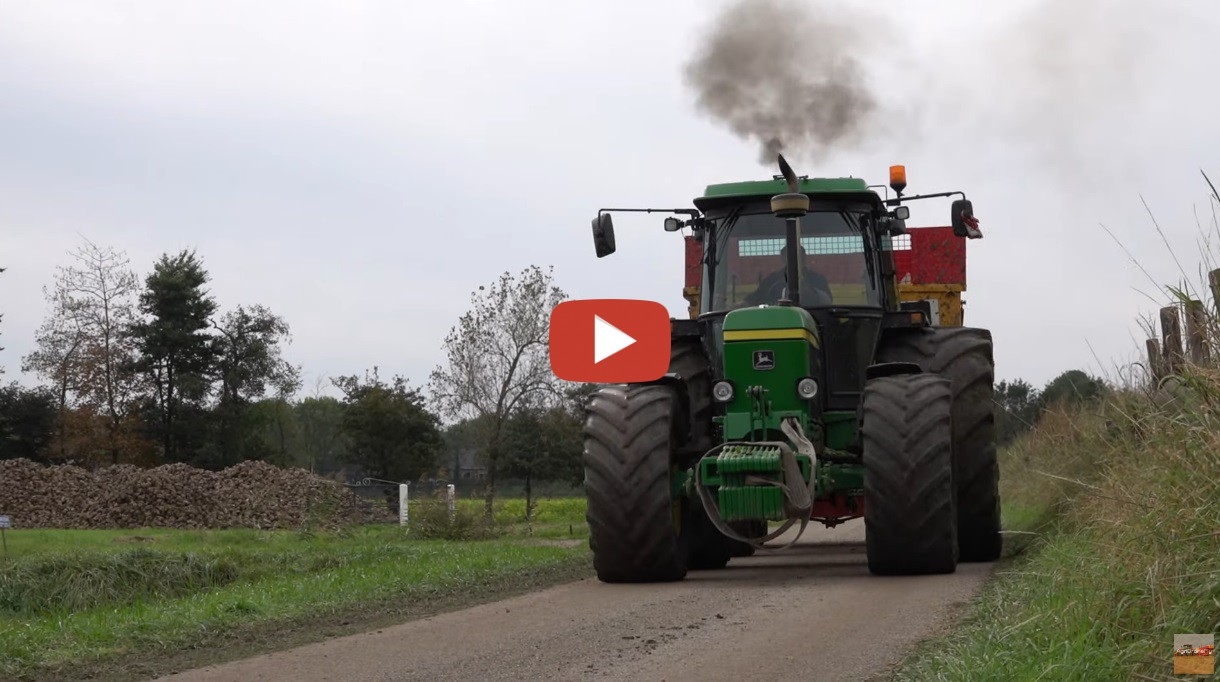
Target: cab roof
x,y
733,192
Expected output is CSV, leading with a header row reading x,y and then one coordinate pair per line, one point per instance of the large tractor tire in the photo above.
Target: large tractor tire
x,y
635,524
910,520
964,356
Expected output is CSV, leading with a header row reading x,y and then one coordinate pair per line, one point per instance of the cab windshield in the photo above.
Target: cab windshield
x,y
747,268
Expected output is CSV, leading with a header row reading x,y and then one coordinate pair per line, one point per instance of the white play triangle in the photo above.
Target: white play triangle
x,y
607,339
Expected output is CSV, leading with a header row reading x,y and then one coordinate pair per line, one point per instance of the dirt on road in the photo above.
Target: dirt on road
x,y
811,612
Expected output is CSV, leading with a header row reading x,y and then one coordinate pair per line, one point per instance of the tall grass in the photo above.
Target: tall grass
x,y
1115,510
81,580
1120,522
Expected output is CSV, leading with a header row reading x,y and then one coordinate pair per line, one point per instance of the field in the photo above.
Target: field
x,y
550,515
80,603
1194,665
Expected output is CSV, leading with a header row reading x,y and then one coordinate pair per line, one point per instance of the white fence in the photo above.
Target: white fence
x,y
404,502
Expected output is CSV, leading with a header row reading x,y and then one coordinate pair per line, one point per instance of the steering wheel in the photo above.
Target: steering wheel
x,y
772,287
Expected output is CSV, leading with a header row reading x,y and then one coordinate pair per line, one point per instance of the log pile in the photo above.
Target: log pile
x,y
248,495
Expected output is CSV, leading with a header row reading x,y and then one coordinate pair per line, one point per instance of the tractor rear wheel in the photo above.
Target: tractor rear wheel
x,y
688,362
910,520
964,356
750,529
710,550
635,524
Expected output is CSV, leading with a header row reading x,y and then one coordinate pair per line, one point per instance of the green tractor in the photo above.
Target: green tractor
x,y
824,375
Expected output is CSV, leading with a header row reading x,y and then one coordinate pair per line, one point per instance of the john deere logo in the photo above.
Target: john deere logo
x,y
764,359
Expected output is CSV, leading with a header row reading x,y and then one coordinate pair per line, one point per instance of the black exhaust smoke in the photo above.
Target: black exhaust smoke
x,y
786,75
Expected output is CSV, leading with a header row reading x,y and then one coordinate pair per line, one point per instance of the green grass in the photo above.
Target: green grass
x,y
1117,510
72,600
547,511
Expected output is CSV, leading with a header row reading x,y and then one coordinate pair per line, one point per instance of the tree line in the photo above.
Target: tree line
x,y
149,370
144,371
1019,405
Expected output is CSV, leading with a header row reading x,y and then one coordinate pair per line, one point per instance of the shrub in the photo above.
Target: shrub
x,y
431,520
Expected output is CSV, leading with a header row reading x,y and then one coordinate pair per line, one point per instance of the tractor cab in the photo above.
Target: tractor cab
x,y
743,247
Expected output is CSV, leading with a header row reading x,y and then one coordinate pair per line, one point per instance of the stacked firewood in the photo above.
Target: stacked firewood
x,y
248,495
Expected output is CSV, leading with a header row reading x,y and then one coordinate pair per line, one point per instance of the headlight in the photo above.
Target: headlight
x,y
806,388
722,391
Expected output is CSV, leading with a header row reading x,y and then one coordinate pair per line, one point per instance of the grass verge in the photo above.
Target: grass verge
x,y
129,604
1116,509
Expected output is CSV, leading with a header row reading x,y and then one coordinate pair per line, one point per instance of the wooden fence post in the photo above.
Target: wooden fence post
x,y
1213,279
1156,362
1171,338
1196,332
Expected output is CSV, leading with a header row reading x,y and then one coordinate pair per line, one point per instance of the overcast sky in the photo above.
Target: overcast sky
x,y
361,167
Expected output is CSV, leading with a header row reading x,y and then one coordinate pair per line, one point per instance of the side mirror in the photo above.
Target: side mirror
x,y
963,220
893,226
603,235
673,224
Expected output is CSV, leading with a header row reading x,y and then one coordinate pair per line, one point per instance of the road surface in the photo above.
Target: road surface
x,y
811,612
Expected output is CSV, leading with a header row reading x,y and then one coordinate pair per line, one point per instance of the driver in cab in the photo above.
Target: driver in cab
x,y
815,289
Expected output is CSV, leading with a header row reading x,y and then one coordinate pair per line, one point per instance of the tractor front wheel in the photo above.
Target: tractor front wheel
x,y
635,524
910,515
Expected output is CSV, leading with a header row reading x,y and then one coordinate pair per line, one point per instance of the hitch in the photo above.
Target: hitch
x,y
760,480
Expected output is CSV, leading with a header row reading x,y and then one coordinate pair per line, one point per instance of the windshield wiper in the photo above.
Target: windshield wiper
x,y
719,237
853,221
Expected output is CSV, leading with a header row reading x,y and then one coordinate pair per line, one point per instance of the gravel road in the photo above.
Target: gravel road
x,y
812,612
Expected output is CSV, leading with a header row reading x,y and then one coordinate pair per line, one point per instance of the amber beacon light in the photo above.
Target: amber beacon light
x,y
898,178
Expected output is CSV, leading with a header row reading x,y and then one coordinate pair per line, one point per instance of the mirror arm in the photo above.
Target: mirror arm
x,y
696,217
693,212
898,201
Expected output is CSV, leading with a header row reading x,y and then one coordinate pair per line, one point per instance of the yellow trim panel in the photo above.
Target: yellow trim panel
x,y
770,335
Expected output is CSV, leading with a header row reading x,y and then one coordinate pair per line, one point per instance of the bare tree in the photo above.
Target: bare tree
x,y
497,359
54,358
84,346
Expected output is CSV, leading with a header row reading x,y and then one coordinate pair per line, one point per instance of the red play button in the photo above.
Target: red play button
x,y
609,341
